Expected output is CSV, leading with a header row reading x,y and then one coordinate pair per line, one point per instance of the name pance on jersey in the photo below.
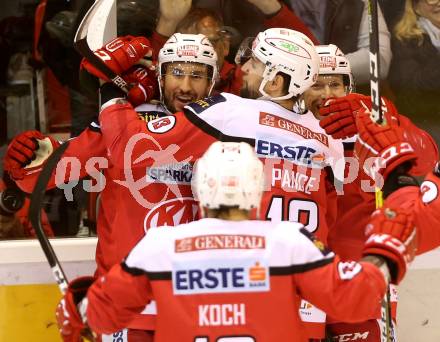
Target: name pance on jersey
x,y
220,277
222,314
288,179
302,154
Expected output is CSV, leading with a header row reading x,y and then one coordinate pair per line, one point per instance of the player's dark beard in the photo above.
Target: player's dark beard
x,y
248,93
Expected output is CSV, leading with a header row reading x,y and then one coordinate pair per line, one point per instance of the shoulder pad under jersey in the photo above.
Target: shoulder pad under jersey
x,y
200,105
148,112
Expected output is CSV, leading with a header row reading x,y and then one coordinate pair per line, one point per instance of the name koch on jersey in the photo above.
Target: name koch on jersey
x,y
220,276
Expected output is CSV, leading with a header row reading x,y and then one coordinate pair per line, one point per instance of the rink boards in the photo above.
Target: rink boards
x,y
28,296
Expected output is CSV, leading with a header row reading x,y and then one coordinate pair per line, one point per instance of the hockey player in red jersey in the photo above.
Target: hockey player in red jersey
x,y
347,237
332,100
182,80
401,190
227,278
183,77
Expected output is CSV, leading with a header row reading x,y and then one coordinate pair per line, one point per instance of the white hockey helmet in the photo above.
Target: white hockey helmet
x,y
228,174
189,48
332,61
290,52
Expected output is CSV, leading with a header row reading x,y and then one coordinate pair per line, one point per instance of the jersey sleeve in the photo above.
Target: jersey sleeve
x,y
346,291
424,146
424,203
111,306
79,154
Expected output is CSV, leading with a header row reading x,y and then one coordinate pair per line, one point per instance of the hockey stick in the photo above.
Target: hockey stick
x,y
387,334
35,208
93,32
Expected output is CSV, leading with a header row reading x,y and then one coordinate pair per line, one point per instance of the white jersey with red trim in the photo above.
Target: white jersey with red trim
x,y
301,161
216,280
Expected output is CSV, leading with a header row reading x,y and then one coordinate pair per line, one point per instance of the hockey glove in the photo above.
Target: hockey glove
x,y
22,150
144,84
120,55
386,144
338,115
392,235
70,322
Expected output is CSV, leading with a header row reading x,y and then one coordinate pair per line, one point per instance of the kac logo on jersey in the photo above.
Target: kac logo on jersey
x,y
172,212
161,125
429,191
302,154
220,276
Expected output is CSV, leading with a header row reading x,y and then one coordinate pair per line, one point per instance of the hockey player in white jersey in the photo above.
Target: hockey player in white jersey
x,y
283,64
228,278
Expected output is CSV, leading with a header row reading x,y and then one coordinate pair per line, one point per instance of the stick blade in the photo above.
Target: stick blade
x,y
98,25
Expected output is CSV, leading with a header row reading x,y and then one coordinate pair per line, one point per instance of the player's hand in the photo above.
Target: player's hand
x,y
385,143
22,151
392,235
120,55
174,10
338,115
144,84
69,320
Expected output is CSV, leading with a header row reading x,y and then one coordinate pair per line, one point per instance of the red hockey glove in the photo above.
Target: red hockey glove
x,y
144,84
385,143
69,319
339,114
392,235
22,151
120,55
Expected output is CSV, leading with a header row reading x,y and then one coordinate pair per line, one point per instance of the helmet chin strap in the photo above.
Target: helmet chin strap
x,y
268,75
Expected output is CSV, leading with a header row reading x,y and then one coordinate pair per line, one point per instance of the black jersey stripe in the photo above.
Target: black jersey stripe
x,y
292,269
214,132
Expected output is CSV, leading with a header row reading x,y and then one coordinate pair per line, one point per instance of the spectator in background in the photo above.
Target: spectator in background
x,y
415,71
178,16
345,24
392,11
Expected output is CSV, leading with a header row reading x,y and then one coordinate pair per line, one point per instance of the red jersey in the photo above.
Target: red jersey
x,y
356,205
215,280
424,203
88,157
